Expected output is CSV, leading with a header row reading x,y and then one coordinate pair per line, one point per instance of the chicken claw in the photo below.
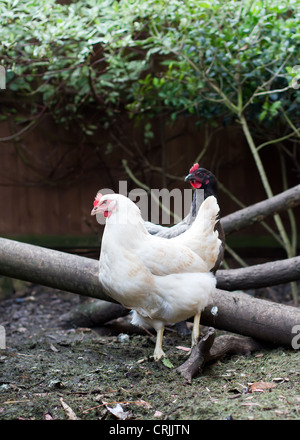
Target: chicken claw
x,y
158,351
196,329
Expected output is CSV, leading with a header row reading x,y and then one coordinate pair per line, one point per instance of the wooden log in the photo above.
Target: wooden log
x,y
77,274
50,268
258,318
259,211
234,312
92,313
260,275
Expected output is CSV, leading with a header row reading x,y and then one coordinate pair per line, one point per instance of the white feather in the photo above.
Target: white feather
x,y
201,237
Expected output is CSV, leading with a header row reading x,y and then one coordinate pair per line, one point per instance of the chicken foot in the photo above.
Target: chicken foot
x,y
158,351
196,329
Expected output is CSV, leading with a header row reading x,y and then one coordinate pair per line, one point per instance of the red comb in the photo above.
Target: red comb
x,y
194,168
97,199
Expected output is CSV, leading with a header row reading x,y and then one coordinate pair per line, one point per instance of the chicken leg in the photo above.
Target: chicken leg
x,y
196,329
158,351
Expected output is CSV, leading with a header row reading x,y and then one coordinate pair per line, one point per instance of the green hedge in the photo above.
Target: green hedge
x,y
149,57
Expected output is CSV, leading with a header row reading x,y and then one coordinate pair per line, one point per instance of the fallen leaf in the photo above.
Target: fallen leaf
x,y
157,414
117,411
48,417
70,413
53,348
260,386
167,363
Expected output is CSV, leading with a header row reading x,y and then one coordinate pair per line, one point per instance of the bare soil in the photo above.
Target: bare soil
x,y
49,371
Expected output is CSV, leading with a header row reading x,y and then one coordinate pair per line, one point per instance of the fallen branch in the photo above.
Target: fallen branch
x,y
258,318
198,357
210,349
51,268
92,313
260,275
259,211
234,312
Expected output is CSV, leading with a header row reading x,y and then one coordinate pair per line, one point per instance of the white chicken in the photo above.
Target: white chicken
x,y
162,281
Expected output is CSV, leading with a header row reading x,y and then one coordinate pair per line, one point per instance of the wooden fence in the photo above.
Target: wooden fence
x,y
50,175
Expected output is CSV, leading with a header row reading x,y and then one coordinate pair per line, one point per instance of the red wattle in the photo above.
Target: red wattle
x,y
107,213
196,184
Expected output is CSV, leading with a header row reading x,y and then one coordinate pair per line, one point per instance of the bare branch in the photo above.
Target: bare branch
x,y
259,211
260,275
275,141
270,92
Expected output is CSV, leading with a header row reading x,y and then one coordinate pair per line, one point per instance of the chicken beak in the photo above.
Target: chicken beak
x,y
95,210
189,177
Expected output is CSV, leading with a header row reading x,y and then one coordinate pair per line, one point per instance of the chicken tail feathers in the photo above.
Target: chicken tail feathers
x,y
207,215
204,229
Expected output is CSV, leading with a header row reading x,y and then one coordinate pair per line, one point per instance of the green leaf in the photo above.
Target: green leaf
x,y
167,363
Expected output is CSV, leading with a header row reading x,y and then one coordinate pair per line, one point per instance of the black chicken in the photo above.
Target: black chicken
x,y
200,179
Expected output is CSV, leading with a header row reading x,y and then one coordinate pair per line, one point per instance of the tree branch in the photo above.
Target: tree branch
x,y
260,275
256,213
210,349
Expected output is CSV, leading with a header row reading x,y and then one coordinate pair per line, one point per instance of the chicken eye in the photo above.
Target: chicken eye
x,y
104,202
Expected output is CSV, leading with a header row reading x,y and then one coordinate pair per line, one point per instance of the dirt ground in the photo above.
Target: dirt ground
x,y
52,372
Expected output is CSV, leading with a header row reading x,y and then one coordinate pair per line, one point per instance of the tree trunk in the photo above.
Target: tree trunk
x,y
234,312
